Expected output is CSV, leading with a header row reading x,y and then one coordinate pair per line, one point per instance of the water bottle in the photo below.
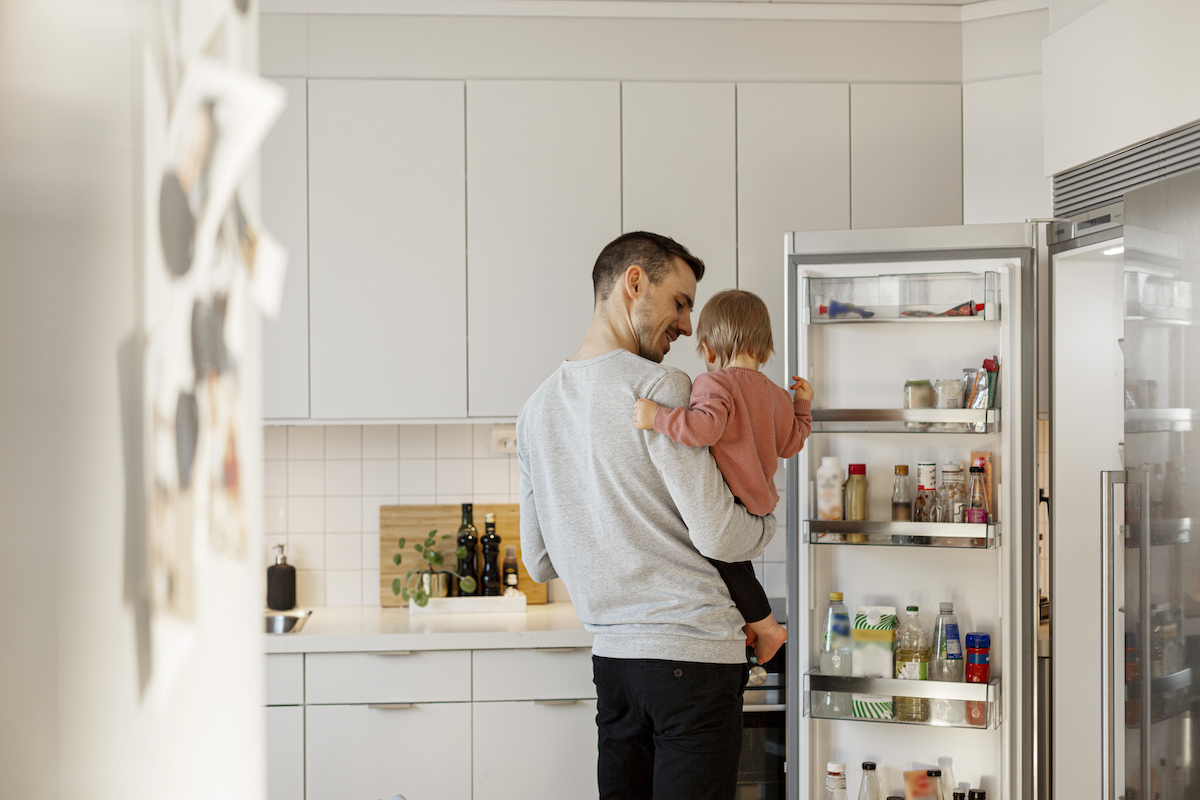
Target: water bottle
x,y
869,788
835,656
947,664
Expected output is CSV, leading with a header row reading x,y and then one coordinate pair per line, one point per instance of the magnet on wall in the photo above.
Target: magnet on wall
x,y
209,353
187,428
176,225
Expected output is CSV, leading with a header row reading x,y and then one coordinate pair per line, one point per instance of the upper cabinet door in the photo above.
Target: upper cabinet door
x,y
679,168
543,199
387,249
793,175
906,152
285,214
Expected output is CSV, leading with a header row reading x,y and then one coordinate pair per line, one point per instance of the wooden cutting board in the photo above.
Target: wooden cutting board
x,y
412,523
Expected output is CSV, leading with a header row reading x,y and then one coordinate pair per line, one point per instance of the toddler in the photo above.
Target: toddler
x,y
748,423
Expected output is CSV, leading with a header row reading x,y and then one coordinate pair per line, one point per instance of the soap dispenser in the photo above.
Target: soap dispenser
x,y
281,583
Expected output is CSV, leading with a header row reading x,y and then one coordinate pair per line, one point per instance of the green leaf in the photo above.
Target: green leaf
x,y
418,548
422,598
461,552
467,585
432,532
404,593
396,586
396,559
437,559
401,543
430,542
444,535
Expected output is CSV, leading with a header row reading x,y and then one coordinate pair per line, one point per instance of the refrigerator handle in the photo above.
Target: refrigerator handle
x,y
1145,543
1108,479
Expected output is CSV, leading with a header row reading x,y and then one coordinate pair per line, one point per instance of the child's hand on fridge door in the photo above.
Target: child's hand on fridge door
x,y
802,388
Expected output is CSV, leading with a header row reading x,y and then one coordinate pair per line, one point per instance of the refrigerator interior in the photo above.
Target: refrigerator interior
x,y
864,365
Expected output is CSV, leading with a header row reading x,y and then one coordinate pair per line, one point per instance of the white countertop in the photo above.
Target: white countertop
x,y
366,629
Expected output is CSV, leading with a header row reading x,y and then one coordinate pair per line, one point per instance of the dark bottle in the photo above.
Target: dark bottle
x,y
281,583
491,581
468,537
510,566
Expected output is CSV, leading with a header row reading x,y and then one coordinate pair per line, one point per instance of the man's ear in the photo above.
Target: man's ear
x,y
634,281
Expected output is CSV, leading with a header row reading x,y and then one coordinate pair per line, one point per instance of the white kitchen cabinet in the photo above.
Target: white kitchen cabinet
x,y
679,179
285,679
793,174
285,753
359,752
553,757
544,198
387,249
532,674
906,152
420,676
285,215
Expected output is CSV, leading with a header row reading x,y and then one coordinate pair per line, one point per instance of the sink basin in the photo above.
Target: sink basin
x,y
287,621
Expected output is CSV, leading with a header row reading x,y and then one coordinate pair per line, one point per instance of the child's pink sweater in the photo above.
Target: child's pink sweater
x,y
748,423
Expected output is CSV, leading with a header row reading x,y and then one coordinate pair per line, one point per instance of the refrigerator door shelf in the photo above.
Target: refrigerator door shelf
x,y
911,297
905,420
1162,532
903,534
987,694
1156,420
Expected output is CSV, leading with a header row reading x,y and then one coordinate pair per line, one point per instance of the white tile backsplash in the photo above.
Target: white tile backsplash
x,y
418,441
381,476
343,441
380,441
324,487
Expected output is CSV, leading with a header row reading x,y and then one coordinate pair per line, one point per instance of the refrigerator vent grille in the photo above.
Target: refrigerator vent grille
x,y
1107,180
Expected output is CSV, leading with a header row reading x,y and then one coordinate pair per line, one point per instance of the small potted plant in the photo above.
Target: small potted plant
x,y
421,584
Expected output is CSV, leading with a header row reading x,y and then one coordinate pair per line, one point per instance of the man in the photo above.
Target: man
x,y
627,518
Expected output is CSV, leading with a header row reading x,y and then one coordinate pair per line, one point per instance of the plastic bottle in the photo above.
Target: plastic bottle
x,y
979,670
947,664
943,783
912,664
835,656
835,781
829,489
869,788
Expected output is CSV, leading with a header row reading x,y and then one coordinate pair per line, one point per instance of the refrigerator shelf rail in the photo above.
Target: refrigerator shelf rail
x,y
987,694
903,534
1157,420
906,420
911,297
1162,532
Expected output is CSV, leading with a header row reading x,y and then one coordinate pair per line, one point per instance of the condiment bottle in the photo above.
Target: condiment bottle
x,y
977,507
979,670
281,583
491,581
835,781
925,506
977,794
856,499
901,495
869,788
468,536
510,566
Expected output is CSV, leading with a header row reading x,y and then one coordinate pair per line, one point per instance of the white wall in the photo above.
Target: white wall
x,y
1125,72
72,720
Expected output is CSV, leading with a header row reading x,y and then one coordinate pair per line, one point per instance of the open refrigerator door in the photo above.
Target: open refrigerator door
x,y
921,346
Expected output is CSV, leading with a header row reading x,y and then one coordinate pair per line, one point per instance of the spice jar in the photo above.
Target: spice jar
x,y
947,393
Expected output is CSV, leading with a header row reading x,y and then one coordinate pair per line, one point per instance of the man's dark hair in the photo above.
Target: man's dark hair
x,y
653,253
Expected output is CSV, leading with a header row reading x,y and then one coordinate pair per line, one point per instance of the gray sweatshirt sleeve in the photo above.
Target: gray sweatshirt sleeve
x,y
719,527
533,546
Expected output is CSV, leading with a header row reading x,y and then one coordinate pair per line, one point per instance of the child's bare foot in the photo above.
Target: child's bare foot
x,y
770,636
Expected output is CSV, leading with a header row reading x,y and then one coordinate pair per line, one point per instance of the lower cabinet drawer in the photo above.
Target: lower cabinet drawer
x,y
546,674
285,679
356,752
285,753
419,676
534,750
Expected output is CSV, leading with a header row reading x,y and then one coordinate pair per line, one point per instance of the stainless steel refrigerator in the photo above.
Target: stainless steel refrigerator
x,y
1125,572
867,311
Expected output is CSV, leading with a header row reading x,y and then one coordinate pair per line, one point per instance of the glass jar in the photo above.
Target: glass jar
x,y
952,494
947,393
918,393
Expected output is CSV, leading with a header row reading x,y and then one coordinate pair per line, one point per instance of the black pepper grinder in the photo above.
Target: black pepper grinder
x,y
281,583
493,584
468,537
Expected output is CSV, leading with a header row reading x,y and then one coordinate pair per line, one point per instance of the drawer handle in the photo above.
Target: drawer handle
x,y
556,649
555,702
391,652
390,706
750,709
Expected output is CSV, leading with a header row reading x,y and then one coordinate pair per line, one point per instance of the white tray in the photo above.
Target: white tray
x,y
470,605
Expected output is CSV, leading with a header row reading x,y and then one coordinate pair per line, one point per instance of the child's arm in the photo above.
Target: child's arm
x,y
797,433
700,425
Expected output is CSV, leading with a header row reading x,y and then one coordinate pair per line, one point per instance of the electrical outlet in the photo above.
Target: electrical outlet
x,y
504,439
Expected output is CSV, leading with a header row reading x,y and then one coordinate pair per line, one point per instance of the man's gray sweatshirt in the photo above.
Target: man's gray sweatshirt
x,y
626,517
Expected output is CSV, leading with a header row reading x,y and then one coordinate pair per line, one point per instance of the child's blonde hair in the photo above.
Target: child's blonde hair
x,y
733,322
